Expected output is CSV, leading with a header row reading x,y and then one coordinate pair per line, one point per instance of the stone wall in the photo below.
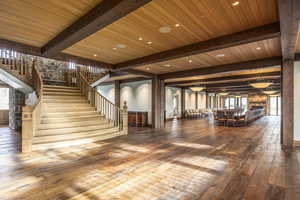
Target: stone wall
x,y
16,102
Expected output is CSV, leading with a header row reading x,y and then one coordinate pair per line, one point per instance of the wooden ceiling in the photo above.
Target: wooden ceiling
x,y
198,20
236,73
246,52
35,22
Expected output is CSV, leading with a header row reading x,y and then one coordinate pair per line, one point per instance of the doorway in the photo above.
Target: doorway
x,y
175,106
275,105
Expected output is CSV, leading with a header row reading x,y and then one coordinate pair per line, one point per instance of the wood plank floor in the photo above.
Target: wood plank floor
x,y
187,160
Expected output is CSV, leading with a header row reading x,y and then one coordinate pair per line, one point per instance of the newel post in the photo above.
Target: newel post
x,y
125,118
27,126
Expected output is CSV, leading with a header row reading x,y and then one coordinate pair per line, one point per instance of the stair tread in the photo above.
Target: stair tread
x,y
81,133
76,127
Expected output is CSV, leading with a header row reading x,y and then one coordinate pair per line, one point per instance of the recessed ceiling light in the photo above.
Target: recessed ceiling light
x,y
149,42
167,65
165,29
236,3
177,25
147,68
140,38
258,48
114,48
220,55
190,61
95,55
121,46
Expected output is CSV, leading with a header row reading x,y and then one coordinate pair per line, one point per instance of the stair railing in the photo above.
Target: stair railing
x,y
17,62
112,113
31,115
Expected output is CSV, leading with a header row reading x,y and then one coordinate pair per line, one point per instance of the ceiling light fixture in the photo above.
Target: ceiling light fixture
x,y
95,55
223,93
236,3
258,48
177,25
121,46
167,65
197,89
114,48
140,38
149,42
220,55
148,68
165,29
190,61
261,85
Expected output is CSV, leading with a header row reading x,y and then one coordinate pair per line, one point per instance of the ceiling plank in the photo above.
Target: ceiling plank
x,y
226,78
289,26
242,66
251,35
104,14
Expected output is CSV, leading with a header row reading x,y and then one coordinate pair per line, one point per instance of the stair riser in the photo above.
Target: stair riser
x,y
66,114
53,105
72,130
74,142
71,109
63,94
66,120
71,124
64,101
48,97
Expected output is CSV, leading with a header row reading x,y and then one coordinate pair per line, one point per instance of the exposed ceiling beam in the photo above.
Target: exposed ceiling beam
x,y
289,14
36,51
242,90
226,78
104,14
251,35
235,84
241,66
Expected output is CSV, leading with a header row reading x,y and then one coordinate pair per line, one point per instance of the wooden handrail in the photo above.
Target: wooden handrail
x,y
112,113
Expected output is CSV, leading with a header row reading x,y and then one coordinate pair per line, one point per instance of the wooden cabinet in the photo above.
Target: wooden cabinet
x,y
138,119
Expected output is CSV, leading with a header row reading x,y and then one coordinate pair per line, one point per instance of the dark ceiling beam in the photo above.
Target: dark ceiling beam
x,y
251,35
36,51
289,15
243,90
241,66
235,84
138,72
275,85
104,14
227,78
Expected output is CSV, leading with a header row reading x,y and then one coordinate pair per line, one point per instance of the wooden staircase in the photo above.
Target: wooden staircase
x,y
67,118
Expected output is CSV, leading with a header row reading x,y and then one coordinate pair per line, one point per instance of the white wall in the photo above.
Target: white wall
x,y
201,100
170,94
297,101
136,94
108,91
190,99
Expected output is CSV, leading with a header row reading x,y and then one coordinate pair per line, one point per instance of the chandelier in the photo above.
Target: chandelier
x,y
223,93
261,85
270,92
197,89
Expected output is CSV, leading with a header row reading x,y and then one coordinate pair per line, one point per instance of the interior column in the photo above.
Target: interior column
x,y
287,87
196,100
158,103
117,93
182,102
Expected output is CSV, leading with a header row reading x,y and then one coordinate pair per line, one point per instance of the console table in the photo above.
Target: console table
x,y
138,119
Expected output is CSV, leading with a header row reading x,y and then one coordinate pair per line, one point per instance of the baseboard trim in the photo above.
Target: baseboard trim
x,y
297,143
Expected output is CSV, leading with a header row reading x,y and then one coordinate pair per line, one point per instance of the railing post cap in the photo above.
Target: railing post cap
x,y
125,105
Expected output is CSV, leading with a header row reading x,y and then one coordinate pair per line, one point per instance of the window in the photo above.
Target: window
x,y
244,102
4,98
275,105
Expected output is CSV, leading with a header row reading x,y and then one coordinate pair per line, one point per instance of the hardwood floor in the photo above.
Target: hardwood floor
x,y
187,160
9,141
